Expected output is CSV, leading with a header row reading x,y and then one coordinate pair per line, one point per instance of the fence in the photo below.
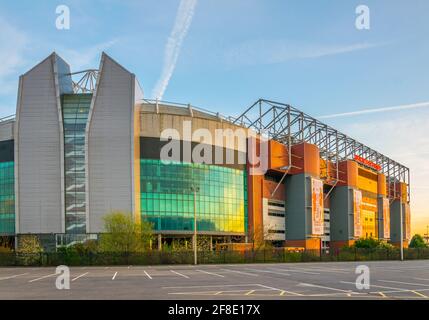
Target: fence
x,y
205,257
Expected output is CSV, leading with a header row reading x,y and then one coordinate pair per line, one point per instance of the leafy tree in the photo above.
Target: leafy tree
x,y
371,243
417,242
29,244
123,234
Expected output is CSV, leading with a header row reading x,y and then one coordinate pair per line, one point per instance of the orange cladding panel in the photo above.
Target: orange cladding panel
x,y
278,155
308,244
381,186
269,187
306,159
348,173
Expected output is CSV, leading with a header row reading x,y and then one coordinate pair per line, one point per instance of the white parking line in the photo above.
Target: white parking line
x,y
180,274
114,276
47,276
212,273
324,287
268,271
147,274
281,290
215,286
409,283
383,287
80,276
14,276
421,279
241,272
290,270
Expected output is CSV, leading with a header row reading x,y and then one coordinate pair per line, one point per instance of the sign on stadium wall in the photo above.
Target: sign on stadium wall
x,y
407,222
357,213
317,212
386,218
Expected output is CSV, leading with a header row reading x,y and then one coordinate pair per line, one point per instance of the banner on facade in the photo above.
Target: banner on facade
x,y
317,207
386,218
407,221
357,213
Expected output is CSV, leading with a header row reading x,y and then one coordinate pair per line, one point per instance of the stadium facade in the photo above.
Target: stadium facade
x,y
77,150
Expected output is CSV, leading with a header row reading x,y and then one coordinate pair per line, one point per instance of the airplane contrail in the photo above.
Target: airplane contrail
x,y
375,110
181,26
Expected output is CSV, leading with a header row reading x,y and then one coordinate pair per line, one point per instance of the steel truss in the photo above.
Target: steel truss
x,y
87,82
288,125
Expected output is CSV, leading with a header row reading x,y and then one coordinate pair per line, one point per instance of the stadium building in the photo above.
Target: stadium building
x,y
83,144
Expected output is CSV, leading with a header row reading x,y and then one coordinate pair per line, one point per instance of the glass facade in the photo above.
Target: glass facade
x,y
167,199
75,114
7,198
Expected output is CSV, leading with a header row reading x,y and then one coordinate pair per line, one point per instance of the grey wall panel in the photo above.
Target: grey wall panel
x,y
38,150
6,130
341,214
296,207
109,144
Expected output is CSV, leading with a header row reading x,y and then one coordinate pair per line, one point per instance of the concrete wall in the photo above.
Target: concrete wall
x,y
298,215
341,214
38,149
110,141
6,130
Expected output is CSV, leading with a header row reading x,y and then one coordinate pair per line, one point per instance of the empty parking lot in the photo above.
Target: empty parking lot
x,y
388,280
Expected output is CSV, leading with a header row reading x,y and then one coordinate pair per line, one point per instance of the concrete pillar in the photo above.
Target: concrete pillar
x,y
211,243
342,217
299,213
395,224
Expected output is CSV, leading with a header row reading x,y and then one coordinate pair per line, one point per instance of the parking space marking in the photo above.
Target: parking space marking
x,y
408,283
421,279
286,291
325,270
396,290
114,276
180,274
215,286
44,277
324,287
14,276
249,293
268,271
212,273
240,272
293,270
420,294
80,276
147,274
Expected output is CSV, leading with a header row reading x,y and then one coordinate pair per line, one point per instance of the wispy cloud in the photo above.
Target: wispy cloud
x,y
181,26
13,44
271,51
376,110
83,58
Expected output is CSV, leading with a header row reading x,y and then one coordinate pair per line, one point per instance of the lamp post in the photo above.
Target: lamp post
x,y
401,242
194,191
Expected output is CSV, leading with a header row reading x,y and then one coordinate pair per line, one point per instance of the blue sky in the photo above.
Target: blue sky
x,y
305,53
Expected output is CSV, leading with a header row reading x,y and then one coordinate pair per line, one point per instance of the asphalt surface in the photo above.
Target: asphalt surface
x,y
336,280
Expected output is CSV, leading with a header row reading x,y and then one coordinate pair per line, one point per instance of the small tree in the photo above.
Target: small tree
x,y
29,244
123,234
417,242
371,243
